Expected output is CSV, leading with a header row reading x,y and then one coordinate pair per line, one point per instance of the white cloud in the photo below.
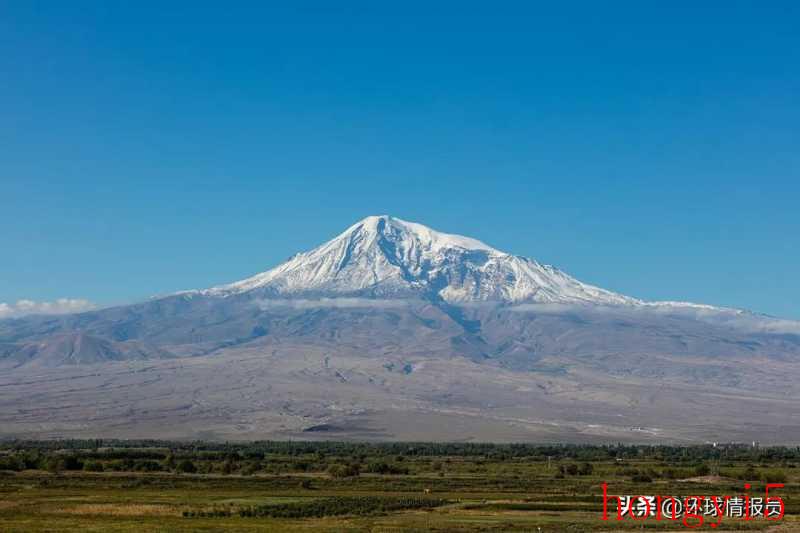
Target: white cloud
x,y
552,308
720,316
61,306
340,303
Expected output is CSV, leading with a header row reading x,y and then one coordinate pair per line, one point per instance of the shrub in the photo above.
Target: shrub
x,y
11,463
749,474
340,505
185,466
702,470
93,466
216,512
123,465
774,476
70,462
568,470
301,466
251,468
670,473
385,468
169,462
54,465
147,466
228,467
340,471
32,461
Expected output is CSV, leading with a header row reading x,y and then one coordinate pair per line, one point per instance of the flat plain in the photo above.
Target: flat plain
x,y
361,487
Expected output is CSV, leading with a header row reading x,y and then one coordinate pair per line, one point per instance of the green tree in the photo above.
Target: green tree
x,y
93,466
749,474
169,461
340,471
702,470
54,465
185,466
774,476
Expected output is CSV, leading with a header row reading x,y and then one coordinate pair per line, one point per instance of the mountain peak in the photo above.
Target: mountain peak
x,y
396,229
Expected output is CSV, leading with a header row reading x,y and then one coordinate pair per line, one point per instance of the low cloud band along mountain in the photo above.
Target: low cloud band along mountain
x,y
394,330
56,307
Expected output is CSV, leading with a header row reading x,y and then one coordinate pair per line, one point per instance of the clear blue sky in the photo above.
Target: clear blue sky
x,y
652,148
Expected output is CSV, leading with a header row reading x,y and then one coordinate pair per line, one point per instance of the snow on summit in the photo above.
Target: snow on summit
x,y
386,257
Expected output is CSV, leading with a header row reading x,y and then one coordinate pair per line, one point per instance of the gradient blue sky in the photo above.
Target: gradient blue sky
x,y
651,148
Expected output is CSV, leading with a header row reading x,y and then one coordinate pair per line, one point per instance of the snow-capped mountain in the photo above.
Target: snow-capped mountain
x,y
388,257
379,328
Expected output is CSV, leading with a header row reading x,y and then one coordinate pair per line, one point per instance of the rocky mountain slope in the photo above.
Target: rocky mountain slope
x,y
392,316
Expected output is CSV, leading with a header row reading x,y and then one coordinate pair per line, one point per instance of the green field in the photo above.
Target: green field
x,y
158,486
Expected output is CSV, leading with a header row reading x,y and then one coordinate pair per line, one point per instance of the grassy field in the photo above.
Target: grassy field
x,y
45,487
